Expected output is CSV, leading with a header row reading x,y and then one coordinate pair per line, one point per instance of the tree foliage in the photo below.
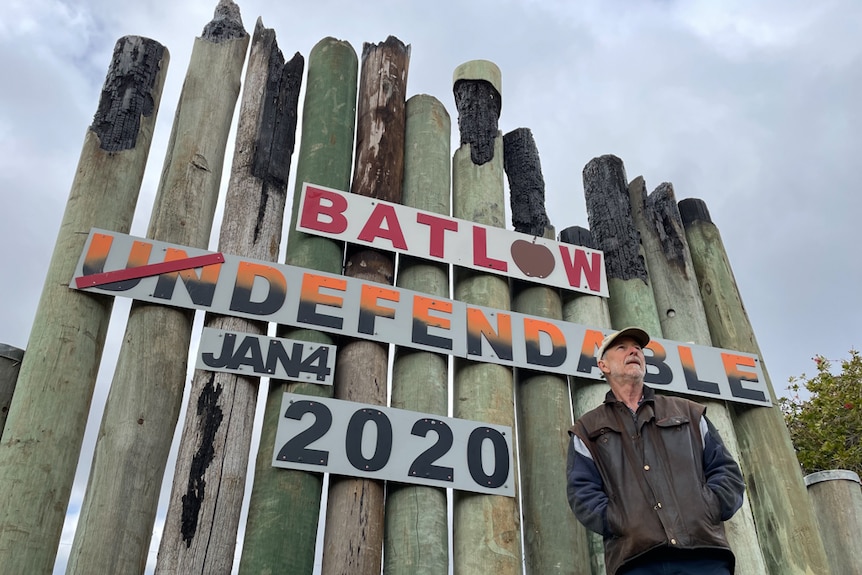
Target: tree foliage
x,y
826,422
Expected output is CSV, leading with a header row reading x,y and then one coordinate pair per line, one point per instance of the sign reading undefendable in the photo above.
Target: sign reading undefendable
x,y
266,291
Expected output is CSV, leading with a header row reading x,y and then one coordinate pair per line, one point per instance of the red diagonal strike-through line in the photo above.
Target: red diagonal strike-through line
x,y
94,280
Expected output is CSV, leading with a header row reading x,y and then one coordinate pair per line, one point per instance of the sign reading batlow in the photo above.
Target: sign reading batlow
x,y
395,227
358,439
299,297
251,354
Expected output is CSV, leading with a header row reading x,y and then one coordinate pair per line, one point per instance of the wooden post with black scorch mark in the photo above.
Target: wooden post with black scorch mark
x,y
46,420
786,525
209,481
10,364
631,299
551,531
586,393
353,540
144,402
284,507
416,526
487,526
682,317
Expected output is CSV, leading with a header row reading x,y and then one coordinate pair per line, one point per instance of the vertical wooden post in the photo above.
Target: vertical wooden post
x,y
586,393
551,531
486,527
353,540
209,482
785,521
10,364
837,500
416,527
631,299
285,504
45,425
682,318
141,412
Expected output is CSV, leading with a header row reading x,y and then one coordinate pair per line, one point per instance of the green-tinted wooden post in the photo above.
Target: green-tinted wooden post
x,y
553,539
353,540
837,501
209,482
589,310
486,528
45,425
10,364
682,318
285,504
143,405
631,299
416,527
786,525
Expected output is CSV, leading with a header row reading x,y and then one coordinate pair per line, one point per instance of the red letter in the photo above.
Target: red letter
x,y
577,266
480,251
392,232
313,208
438,227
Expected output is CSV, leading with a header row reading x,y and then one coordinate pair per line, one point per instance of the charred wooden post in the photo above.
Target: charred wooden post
x,y
209,482
10,364
787,528
551,531
682,318
631,299
48,414
586,393
285,504
353,540
146,393
486,527
837,500
416,528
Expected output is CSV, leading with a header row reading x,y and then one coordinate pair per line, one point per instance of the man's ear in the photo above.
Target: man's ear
x,y
603,367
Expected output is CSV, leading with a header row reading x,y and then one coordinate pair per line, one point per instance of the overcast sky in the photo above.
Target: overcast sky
x,y
751,106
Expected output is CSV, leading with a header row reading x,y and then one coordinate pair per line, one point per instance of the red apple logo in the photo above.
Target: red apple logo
x,y
535,260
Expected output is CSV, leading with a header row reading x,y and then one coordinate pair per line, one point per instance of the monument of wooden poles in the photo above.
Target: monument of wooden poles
x,y
383,219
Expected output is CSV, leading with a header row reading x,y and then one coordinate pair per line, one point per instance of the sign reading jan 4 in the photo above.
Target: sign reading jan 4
x,y
184,277
279,358
395,227
372,441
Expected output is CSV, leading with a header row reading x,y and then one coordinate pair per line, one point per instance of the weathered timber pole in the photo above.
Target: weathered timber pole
x,y
353,540
285,504
48,414
10,364
837,500
551,531
486,528
209,481
631,299
416,528
143,405
586,393
682,318
786,525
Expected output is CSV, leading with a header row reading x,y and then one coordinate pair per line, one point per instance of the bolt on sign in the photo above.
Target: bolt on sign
x,y
290,295
371,441
395,227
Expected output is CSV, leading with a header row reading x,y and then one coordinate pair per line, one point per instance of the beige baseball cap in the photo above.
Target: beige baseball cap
x,y
635,333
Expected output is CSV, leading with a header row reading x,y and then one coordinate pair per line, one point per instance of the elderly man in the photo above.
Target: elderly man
x,y
651,474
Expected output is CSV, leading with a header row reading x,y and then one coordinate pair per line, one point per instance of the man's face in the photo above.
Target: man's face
x,y
623,359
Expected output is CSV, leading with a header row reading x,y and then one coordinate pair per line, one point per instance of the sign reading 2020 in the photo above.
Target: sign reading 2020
x,y
111,264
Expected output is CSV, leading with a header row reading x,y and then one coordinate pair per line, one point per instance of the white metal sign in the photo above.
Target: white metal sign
x,y
371,441
263,356
284,294
395,227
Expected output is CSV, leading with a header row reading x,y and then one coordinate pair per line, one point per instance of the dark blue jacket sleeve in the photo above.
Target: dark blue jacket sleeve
x,y
585,489
722,473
